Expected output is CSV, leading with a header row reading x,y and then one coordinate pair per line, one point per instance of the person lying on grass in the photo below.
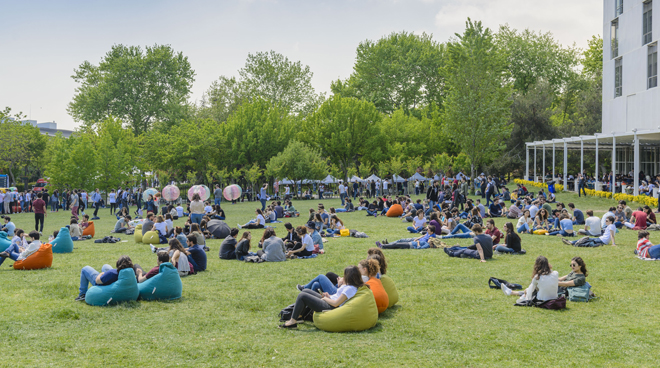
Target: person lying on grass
x,y
16,253
511,242
606,238
410,243
482,248
545,282
347,288
142,277
107,276
645,248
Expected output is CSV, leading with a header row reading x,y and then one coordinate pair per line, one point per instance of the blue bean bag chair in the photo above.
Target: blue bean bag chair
x,y
62,243
123,290
4,242
164,286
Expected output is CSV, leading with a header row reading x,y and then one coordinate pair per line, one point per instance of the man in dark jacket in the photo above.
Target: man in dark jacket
x,y
432,194
228,246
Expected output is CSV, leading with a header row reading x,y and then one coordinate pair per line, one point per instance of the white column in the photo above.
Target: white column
x,y
596,184
636,164
612,185
526,162
543,165
565,166
535,180
581,156
553,160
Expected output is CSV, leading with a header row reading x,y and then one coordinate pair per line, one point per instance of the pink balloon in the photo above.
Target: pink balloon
x,y
232,192
171,193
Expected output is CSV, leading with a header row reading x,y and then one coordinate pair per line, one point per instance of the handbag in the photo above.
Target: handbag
x,y
579,293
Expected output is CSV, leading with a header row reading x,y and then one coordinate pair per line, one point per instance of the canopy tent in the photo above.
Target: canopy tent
x,y
436,177
354,179
418,176
398,179
286,181
329,180
373,178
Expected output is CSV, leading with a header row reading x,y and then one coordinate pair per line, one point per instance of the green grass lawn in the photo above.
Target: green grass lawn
x,y
228,316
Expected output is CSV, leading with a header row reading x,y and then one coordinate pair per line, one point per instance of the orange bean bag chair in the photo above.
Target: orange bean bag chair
x,y
382,300
43,258
89,230
395,211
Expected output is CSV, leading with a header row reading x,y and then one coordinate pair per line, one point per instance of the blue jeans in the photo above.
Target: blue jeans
x,y
593,242
340,210
488,198
196,218
421,245
503,249
413,230
217,201
323,283
88,276
332,231
457,251
560,232
465,232
263,203
524,227
384,212
342,196
654,251
372,213
13,253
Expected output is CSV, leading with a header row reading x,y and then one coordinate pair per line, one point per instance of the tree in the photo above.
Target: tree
x,y
346,130
271,76
135,86
399,71
298,162
221,99
477,105
21,144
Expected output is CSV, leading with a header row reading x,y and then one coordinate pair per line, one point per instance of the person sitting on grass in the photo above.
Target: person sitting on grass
x,y
565,227
178,235
481,249
493,231
180,258
347,288
525,223
514,211
74,229
511,241
273,247
336,226
578,216
640,220
541,221
650,216
372,210
620,217
163,257
107,276
591,225
578,275
289,209
228,246
122,224
243,246
161,227
544,286
606,238
305,247
436,224
421,242
419,222
291,240
9,226
257,223
197,253
495,209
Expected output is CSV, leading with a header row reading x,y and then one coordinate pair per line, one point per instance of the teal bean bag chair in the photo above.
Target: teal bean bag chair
x,y
164,286
62,243
123,290
4,242
358,314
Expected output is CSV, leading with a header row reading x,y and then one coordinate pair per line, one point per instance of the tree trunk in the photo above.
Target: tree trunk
x,y
472,178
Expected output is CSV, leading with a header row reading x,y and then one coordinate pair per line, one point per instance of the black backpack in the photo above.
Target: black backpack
x,y
307,314
495,283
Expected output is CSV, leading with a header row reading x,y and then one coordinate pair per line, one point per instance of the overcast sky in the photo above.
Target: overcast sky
x,y
43,41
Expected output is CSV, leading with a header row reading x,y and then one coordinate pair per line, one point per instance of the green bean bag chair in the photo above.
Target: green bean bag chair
x,y
151,237
122,290
62,243
358,314
137,235
164,286
4,242
390,289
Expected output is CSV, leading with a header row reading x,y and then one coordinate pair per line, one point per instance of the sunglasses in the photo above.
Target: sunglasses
x,y
574,265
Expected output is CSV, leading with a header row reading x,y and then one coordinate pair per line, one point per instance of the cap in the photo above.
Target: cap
x,y
311,225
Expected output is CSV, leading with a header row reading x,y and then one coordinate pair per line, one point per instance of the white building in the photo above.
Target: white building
x,y
631,98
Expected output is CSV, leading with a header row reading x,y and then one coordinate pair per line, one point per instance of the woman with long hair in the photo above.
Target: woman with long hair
x,y
369,268
511,241
243,246
544,284
336,225
578,275
273,247
179,258
257,223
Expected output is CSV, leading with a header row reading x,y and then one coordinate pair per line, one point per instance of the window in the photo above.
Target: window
x,y
618,7
615,38
618,77
653,66
647,25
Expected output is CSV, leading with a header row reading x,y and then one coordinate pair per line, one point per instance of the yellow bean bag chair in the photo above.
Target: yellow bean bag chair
x,y
43,258
540,232
151,237
390,289
395,211
358,314
380,295
89,230
137,235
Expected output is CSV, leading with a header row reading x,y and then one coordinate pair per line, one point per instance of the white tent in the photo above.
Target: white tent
x,y
373,178
398,179
286,181
418,176
329,180
354,179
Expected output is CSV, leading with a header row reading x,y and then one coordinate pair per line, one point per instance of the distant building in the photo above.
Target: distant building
x,y
48,128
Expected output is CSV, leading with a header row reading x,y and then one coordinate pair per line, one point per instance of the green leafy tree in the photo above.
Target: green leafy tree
x,y
139,87
21,144
399,71
477,108
298,162
221,99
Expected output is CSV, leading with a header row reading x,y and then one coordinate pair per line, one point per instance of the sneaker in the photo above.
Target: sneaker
x,y
385,241
239,226
153,249
80,298
4,254
299,287
206,249
566,241
379,245
505,289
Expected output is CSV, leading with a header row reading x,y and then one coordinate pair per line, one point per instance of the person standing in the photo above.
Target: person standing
x,y
581,185
39,213
112,200
217,193
263,196
96,199
342,193
74,204
432,195
7,203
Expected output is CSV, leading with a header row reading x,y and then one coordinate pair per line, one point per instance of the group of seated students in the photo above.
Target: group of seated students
x,y
546,283
330,291
302,241
188,260
21,248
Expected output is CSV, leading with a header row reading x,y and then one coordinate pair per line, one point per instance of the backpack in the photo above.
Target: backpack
x,y
495,283
579,293
285,314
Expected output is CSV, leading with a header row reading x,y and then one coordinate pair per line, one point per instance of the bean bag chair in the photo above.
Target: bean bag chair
x,y
164,286
89,230
395,211
380,295
390,289
123,290
4,242
62,243
151,237
43,258
358,314
138,234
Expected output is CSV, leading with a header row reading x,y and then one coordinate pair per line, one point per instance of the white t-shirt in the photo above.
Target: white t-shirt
x,y
179,211
546,285
607,236
384,185
605,216
111,198
161,227
347,290
533,211
419,222
261,220
208,209
594,225
342,188
308,243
